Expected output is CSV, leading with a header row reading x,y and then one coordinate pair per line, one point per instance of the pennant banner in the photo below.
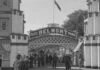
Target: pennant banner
x,y
57,5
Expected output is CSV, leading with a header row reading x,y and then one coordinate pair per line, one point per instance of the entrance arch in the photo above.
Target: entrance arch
x,y
52,37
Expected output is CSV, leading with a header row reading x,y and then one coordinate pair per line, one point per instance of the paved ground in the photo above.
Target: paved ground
x,y
50,68
61,68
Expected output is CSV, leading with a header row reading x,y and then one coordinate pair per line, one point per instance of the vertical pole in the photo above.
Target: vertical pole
x,y
91,50
53,10
98,5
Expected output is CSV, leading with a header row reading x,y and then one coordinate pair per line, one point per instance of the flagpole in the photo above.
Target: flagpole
x,y
59,8
53,10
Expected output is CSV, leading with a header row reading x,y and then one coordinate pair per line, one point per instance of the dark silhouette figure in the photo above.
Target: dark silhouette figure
x,y
47,58
31,61
42,59
67,61
39,61
50,59
54,61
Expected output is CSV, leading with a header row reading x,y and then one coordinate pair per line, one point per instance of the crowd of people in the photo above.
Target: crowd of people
x,y
39,60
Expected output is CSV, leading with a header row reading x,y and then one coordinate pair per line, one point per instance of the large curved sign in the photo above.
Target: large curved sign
x,y
52,30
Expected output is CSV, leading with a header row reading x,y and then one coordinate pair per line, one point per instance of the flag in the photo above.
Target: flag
x,y
57,5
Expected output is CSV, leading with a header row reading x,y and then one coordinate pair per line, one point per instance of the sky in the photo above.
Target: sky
x,y
39,13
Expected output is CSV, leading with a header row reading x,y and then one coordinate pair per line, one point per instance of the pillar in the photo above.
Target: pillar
x,y
94,52
99,51
13,55
87,52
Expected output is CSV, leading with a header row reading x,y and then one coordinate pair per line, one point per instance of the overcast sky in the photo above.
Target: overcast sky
x,y
38,13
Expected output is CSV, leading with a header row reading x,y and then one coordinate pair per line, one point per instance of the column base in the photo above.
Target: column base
x,y
98,67
93,67
87,66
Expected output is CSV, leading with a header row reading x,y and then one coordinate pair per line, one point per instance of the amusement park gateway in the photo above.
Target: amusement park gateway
x,y
13,40
53,39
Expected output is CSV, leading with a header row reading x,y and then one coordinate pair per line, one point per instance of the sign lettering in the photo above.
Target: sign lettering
x,y
52,30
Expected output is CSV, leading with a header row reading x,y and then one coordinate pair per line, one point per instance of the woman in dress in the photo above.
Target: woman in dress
x,y
17,62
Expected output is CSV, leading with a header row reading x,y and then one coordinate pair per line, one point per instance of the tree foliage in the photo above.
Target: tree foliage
x,y
76,21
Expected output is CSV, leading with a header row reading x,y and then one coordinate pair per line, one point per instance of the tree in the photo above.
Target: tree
x,y
76,21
